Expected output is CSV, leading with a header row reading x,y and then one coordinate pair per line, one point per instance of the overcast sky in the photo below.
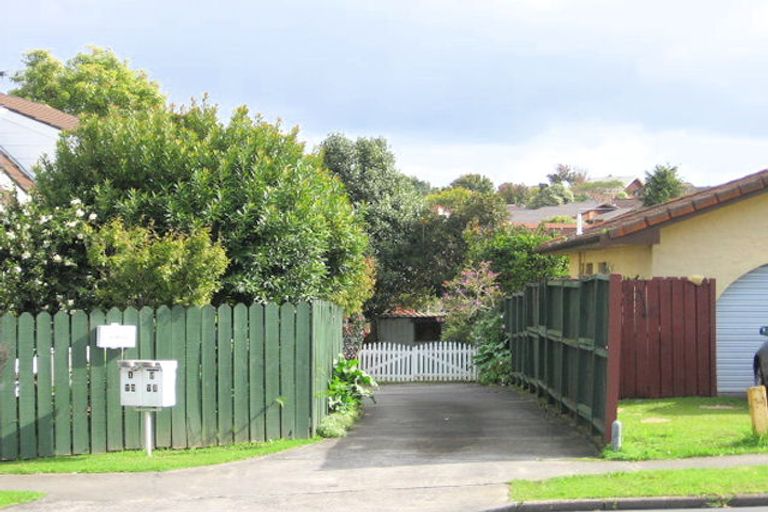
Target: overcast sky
x,y
506,88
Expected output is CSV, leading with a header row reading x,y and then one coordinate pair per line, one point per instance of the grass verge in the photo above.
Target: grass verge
x,y
685,427
161,460
8,498
717,483
338,423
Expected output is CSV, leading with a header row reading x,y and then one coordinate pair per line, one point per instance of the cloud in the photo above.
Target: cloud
x,y
704,158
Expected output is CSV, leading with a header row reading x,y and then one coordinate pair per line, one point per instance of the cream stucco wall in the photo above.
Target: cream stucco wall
x,y
627,260
724,243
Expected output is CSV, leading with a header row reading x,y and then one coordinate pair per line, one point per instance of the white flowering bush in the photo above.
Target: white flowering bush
x,y
43,258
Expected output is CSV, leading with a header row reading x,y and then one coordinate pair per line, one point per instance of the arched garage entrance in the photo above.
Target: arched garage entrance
x,y
741,310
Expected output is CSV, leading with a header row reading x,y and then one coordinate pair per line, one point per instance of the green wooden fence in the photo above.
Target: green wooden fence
x,y
245,373
565,338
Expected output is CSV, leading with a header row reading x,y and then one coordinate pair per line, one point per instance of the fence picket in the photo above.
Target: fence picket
x,y
114,409
240,373
80,339
9,448
27,433
131,416
43,345
208,374
62,396
193,385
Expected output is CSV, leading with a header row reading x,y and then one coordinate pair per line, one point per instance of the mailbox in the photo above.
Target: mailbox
x,y
146,383
116,336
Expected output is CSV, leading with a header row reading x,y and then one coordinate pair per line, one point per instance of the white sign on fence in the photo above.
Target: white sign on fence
x,y
426,362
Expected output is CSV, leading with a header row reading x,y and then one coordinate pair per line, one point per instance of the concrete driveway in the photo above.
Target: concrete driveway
x,y
420,447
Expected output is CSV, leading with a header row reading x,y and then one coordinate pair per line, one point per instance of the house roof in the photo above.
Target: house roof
x,y
39,112
412,313
520,215
14,171
647,219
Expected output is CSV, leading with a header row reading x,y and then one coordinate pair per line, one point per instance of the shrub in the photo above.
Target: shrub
x,y
337,424
349,385
43,260
137,267
467,298
286,224
493,359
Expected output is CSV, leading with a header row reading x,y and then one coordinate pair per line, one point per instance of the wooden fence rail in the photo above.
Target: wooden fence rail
x,y
565,340
245,373
437,361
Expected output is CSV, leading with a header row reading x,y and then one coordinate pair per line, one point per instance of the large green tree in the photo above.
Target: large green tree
x,y
286,224
390,203
515,193
551,195
438,249
661,185
89,83
474,182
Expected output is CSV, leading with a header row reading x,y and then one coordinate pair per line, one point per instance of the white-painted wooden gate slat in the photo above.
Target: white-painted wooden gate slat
x,y
431,362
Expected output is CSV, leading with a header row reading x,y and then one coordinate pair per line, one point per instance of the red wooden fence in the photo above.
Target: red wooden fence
x,y
668,338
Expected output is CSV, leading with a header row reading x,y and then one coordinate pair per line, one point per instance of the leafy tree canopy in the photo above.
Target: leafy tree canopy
x,y
513,254
566,174
390,203
139,268
661,185
285,223
551,195
89,83
515,193
474,182
438,249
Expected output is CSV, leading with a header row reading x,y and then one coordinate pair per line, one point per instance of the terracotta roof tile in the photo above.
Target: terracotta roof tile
x,y
9,167
39,112
653,216
411,313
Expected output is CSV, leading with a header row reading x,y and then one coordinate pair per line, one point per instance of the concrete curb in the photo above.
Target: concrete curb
x,y
751,500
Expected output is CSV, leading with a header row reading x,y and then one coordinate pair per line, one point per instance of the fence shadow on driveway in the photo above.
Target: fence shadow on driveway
x,y
414,424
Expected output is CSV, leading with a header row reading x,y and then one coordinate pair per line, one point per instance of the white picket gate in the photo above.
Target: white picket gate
x,y
435,361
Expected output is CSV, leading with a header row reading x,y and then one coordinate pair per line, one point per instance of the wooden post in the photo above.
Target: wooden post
x,y
613,364
758,409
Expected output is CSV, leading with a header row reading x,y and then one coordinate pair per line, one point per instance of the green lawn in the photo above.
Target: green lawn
x,y
685,427
8,498
137,461
718,483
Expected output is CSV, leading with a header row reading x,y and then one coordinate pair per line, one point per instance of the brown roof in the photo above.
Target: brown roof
x,y
652,217
13,170
39,112
411,313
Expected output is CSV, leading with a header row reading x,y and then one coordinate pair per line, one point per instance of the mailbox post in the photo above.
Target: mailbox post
x,y
148,385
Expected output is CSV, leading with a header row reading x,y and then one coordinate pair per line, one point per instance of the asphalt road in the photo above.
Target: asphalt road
x,y
445,447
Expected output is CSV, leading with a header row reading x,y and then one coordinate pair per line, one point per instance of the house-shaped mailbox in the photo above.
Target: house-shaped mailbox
x,y
147,383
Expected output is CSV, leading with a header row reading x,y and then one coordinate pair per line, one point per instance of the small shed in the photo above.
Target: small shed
x,y
408,326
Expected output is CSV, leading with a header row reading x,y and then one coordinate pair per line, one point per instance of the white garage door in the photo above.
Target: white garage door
x,y
741,310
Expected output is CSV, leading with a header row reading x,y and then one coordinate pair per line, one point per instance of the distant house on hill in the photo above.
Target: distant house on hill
x,y
28,130
564,218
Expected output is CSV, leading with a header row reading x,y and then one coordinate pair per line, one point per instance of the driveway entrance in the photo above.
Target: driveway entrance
x,y
421,447
414,424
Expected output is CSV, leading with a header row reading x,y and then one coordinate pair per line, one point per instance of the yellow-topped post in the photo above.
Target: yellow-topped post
x,y
758,409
